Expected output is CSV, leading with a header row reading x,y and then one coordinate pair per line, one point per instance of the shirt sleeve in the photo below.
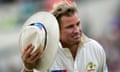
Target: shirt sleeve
x,y
103,66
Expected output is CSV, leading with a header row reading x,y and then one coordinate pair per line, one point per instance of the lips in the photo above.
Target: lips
x,y
76,36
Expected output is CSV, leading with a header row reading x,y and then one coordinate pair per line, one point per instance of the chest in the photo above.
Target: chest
x,y
85,61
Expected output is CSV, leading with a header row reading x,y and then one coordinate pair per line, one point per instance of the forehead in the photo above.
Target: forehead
x,y
70,19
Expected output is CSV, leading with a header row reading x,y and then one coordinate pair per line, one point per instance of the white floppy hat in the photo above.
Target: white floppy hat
x,y
42,31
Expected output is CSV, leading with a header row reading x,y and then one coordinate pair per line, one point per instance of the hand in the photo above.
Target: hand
x,y
29,59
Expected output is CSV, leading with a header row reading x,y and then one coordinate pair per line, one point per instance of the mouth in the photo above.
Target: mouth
x,y
76,37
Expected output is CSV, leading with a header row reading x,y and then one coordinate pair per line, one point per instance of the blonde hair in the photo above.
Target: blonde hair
x,y
63,8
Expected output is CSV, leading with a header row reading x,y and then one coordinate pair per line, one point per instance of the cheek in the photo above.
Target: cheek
x,y
62,34
65,34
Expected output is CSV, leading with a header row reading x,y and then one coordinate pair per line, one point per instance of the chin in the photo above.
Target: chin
x,y
77,42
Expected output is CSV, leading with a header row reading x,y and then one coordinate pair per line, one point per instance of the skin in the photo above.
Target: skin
x,y
29,59
70,33
70,36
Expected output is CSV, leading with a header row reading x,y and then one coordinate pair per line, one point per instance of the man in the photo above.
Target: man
x,y
76,53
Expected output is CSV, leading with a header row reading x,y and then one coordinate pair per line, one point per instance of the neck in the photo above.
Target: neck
x,y
72,48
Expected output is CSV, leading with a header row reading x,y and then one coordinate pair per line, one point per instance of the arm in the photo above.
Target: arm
x,y
103,64
105,68
101,58
29,60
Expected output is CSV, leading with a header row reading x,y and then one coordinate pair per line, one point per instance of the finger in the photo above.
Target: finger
x,y
27,48
28,52
36,56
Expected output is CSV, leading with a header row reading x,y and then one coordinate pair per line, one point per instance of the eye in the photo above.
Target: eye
x,y
70,26
78,23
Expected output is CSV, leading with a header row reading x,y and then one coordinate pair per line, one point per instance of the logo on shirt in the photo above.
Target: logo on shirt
x,y
91,67
64,70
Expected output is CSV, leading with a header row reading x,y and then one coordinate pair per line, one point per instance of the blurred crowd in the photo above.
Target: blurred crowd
x,y
100,20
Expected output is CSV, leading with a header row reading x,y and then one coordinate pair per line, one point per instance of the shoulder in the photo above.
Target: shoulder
x,y
94,46
93,43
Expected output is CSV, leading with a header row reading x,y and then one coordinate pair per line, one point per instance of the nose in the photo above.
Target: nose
x,y
77,29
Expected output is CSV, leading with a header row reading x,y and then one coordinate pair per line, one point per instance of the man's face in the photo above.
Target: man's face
x,y
71,31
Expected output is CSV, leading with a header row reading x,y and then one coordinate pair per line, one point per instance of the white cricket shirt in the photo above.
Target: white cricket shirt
x,y
89,58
